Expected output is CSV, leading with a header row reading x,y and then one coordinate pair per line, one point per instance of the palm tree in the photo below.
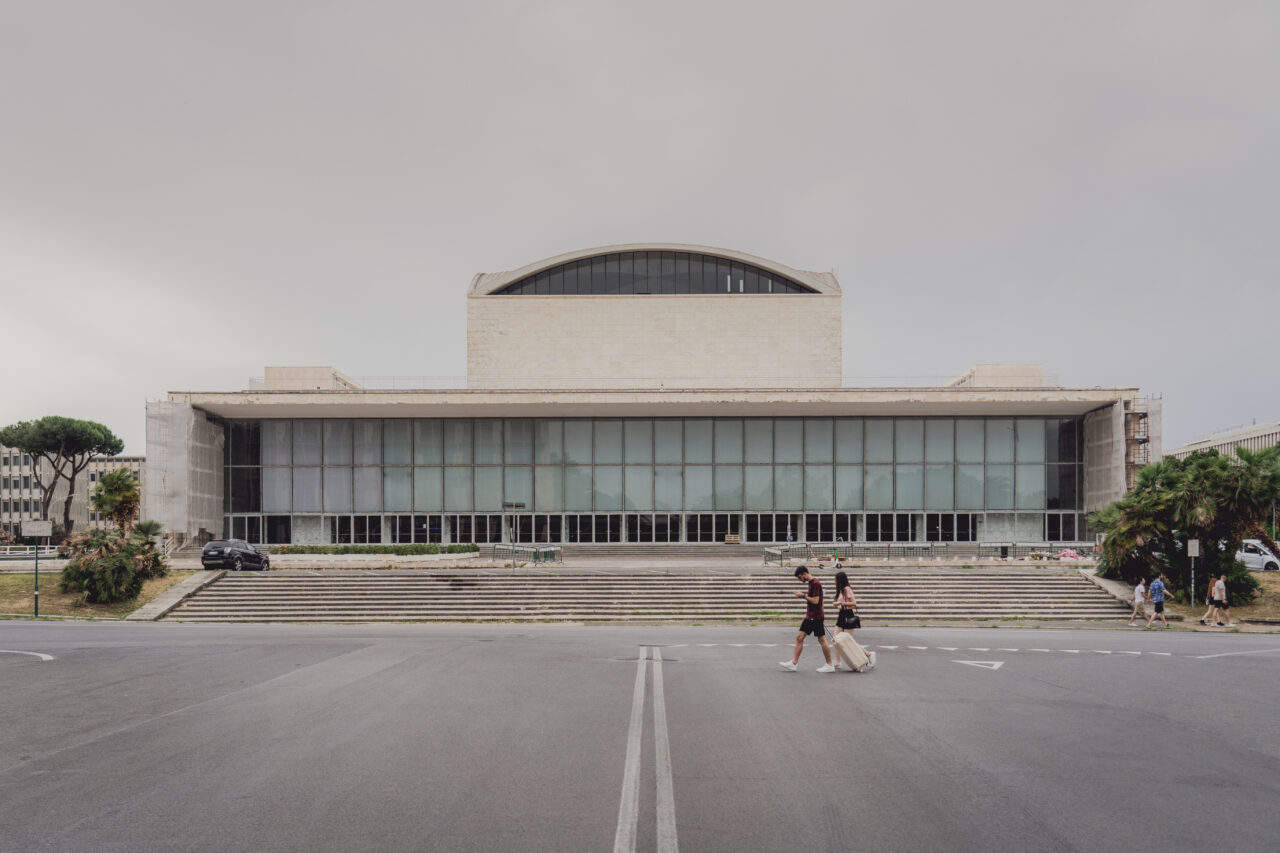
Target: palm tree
x,y
117,497
1257,489
1134,525
148,531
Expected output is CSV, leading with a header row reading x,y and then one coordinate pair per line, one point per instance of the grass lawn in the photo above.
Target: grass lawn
x,y
17,597
1265,606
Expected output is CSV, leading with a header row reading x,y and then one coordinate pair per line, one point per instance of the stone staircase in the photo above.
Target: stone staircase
x,y
423,596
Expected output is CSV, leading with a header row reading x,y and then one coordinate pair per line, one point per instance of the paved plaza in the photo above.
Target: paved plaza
x,y
139,737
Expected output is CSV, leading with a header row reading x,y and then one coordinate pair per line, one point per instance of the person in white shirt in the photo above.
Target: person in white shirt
x,y
1139,602
1224,606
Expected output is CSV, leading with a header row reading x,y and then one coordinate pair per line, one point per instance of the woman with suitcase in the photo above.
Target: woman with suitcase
x,y
847,614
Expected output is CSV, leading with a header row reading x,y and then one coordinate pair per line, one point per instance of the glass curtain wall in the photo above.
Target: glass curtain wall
x,y
311,481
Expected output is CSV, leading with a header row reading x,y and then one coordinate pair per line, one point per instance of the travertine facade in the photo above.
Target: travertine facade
x,y
648,393
675,341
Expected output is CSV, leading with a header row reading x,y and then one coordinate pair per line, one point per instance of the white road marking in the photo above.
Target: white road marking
x,y
1006,650
982,664
887,647
978,650
1128,653
1234,654
662,749
947,648
1165,654
1100,651
1039,650
624,839
1070,651
919,648
40,655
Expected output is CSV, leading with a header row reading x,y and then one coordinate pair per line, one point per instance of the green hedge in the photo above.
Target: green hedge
x,y
403,550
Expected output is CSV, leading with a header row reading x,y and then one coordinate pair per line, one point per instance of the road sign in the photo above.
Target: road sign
x,y
37,528
1193,547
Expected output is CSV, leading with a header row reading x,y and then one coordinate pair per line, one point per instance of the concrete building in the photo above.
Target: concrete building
x,y
98,467
1254,437
22,500
646,393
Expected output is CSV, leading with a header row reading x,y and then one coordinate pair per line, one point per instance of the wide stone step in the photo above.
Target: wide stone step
x,y
362,596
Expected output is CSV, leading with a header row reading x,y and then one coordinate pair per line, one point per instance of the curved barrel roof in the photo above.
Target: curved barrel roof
x,y
488,284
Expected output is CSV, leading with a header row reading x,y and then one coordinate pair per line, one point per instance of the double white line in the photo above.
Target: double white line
x,y
624,841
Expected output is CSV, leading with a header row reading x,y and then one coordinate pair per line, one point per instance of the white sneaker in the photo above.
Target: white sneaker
x,y
826,668
871,656
787,665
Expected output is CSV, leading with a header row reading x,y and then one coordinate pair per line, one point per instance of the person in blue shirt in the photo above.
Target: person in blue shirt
x,y
1156,593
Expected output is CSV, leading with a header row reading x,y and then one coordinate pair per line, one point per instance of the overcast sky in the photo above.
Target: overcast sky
x,y
191,191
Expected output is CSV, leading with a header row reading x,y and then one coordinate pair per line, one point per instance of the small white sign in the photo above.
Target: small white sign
x,y
1193,547
37,528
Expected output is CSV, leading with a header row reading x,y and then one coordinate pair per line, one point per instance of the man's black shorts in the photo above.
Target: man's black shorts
x,y
814,627
1159,606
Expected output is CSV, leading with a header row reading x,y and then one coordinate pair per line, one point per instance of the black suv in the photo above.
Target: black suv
x,y
233,554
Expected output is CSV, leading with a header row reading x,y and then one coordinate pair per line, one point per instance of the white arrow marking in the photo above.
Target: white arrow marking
x,y
1230,654
33,654
982,664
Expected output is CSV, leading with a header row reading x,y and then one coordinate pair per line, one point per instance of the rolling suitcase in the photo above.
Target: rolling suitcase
x,y
853,655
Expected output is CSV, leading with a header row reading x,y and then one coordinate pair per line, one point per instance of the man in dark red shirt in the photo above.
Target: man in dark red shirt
x,y
812,623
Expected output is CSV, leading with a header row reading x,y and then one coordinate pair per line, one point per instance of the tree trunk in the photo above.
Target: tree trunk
x,y
1260,533
66,510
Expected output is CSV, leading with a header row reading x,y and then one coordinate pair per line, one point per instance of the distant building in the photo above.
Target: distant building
x,y
647,393
1254,437
21,499
98,467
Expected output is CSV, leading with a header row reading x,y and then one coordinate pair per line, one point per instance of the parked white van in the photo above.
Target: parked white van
x,y
1257,557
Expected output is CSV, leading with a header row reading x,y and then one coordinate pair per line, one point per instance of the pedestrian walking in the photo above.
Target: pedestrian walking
x,y
1224,604
1156,595
847,614
1211,605
1139,601
813,621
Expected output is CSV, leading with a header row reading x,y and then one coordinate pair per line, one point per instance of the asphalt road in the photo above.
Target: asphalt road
x,y
140,737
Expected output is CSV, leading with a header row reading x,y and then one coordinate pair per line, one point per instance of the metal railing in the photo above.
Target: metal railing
x,y
783,554
536,554
27,552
